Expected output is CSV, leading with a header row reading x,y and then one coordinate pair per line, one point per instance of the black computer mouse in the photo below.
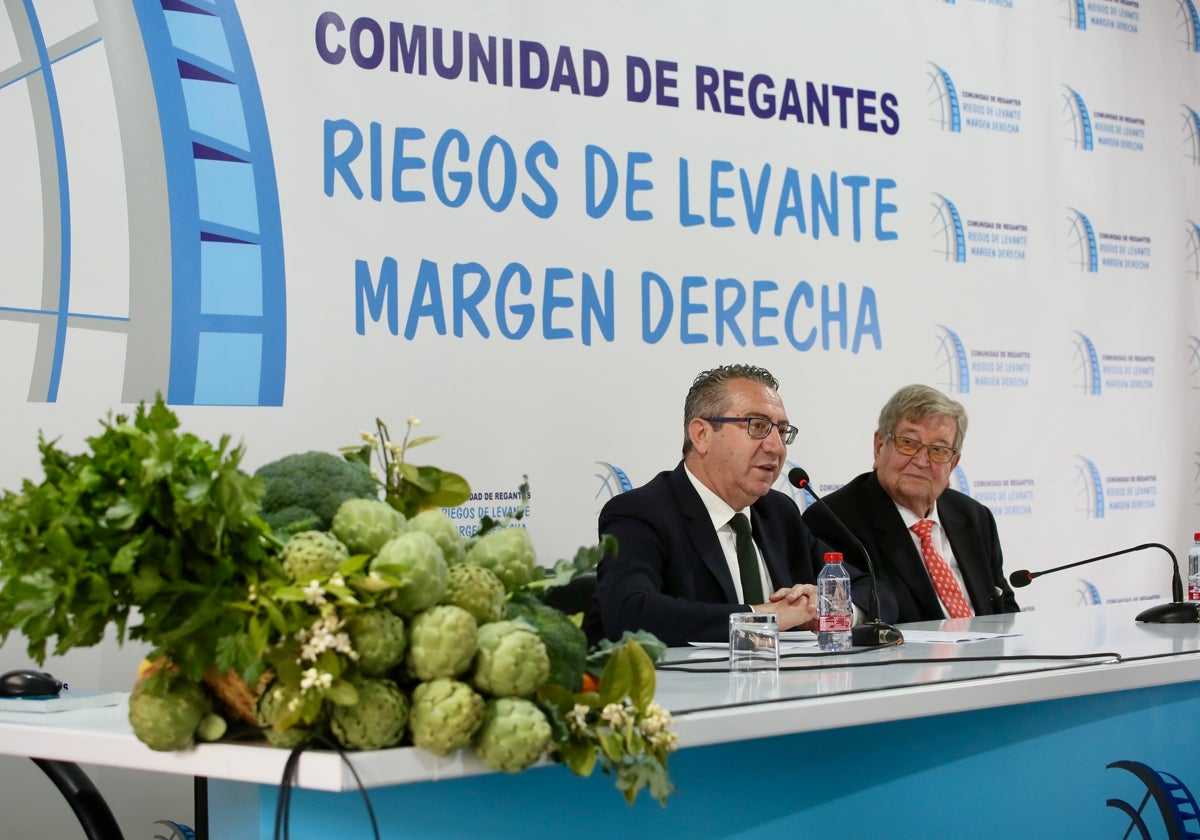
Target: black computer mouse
x,y
29,683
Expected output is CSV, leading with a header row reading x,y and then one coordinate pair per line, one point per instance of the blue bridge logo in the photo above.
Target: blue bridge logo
x,y
1176,807
953,370
1089,489
1077,119
947,114
203,320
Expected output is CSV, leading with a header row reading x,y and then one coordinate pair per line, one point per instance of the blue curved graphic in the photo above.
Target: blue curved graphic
x,y
802,498
1077,14
35,56
1080,119
1191,134
228,301
1193,251
1088,365
1089,595
612,481
1191,24
1176,805
950,116
950,229
954,359
1083,239
1091,487
958,478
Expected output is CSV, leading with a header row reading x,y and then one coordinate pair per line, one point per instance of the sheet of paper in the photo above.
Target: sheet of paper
x,y
955,637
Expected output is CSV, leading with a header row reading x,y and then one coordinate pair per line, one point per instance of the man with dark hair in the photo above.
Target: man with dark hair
x,y
677,571
935,550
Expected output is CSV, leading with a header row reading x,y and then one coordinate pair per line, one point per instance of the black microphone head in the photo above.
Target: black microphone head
x,y
1020,578
798,476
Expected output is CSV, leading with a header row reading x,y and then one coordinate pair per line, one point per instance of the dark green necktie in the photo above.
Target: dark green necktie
x,y
747,560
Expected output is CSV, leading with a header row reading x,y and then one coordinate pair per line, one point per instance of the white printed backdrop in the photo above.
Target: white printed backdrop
x,y
531,224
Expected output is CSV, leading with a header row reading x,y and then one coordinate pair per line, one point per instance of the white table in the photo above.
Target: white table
x,y
812,694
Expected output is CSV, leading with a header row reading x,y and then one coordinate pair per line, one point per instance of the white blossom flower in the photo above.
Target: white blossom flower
x,y
614,715
367,437
337,580
314,594
313,678
577,717
414,420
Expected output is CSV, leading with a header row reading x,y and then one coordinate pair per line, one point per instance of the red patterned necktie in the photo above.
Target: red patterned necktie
x,y
939,571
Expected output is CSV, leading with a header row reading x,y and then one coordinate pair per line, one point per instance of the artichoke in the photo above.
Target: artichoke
x,y
364,525
377,636
416,563
477,590
441,642
508,553
445,533
565,643
513,735
313,555
445,715
512,660
166,709
376,721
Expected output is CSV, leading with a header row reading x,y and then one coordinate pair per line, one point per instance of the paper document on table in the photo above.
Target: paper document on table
x,y
953,637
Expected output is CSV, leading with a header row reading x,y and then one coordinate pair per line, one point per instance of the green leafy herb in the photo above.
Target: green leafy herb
x,y
150,520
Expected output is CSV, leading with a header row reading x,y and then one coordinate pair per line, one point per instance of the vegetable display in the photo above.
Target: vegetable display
x,y
311,604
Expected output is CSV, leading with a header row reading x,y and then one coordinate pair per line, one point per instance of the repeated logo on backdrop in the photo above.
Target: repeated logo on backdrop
x,y
1105,370
962,110
1187,24
1100,495
961,368
1118,15
1091,248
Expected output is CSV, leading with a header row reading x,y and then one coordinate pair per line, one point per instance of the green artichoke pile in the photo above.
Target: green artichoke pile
x,y
392,630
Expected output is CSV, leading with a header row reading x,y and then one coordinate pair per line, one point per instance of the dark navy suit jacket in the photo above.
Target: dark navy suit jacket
x,y
670,576
871,515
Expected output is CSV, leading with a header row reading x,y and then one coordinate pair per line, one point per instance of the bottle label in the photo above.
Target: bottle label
x,y
1193,590
833,623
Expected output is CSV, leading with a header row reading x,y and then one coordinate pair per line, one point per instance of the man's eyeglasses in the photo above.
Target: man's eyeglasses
x,y
760,427
937,453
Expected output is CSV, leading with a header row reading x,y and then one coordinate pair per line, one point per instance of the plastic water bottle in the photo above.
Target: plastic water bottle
x,y
1193,593
834,613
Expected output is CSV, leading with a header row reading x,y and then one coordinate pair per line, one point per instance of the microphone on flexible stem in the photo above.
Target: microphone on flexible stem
x,y
872,632
1176,612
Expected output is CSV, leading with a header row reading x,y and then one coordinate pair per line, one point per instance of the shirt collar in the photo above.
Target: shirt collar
x,y
718,509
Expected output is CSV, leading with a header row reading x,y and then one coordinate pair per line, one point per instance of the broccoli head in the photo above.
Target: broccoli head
x,y
309,487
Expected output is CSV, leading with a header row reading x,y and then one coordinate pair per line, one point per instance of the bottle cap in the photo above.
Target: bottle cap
x,y
1196,537
835,557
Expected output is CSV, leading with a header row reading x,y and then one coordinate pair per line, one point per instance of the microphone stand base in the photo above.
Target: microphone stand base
x,y
875,634
1176,612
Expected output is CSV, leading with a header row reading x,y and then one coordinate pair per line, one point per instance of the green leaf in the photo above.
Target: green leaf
x,y
617,680
641,692
342,693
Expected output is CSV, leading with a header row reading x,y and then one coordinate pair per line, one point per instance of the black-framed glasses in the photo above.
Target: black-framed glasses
x,y
760,427
937,453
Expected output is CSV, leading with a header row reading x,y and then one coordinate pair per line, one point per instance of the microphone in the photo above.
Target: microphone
x,y
1176,612
873,632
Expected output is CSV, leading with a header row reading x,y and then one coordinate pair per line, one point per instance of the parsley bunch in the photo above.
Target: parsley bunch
x,y
150,519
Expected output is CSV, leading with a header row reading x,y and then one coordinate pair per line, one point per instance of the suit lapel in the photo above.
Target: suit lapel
x,y
701,534
893,537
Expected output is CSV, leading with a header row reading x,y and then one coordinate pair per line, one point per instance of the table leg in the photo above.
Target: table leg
x,y
87,803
